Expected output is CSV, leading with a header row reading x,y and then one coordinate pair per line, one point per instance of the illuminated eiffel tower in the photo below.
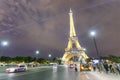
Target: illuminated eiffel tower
x,y
73,50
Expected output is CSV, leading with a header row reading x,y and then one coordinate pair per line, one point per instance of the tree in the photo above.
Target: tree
x,y
114,58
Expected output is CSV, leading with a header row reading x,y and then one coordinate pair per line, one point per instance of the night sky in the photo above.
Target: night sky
x,y
43,25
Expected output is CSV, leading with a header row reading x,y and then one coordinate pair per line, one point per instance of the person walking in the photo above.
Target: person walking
x,y
94,67
76,68
106,67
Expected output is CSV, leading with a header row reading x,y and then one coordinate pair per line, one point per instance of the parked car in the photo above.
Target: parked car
x,y
18,68
85,67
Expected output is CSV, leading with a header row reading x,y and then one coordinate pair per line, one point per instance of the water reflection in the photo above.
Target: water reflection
x,y
10,76
60,73
54,74
54,70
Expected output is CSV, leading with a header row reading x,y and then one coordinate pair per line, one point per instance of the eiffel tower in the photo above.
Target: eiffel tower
x,y
73,50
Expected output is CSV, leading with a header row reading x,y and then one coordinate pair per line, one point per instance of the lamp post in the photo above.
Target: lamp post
x,y
37,53
3,44
93,33
49,55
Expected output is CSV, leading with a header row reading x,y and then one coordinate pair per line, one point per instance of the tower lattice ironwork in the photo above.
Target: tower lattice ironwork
x,y
74,48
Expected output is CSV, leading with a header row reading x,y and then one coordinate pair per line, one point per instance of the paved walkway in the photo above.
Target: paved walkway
x,y
104,76
93,75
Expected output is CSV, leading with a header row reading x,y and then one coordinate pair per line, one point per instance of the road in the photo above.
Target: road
x,y
61,73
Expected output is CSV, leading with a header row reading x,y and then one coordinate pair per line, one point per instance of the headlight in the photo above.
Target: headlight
x,y
82,67
89,68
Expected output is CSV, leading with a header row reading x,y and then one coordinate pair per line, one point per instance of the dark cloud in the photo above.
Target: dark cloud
x,y
44,25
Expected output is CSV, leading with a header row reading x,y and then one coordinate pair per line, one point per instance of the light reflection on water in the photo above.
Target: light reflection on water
x,y
54,74
11,75
54,70
60,73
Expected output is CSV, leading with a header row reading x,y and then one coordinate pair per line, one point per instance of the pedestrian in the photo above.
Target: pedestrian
x,y
94,67
111,69
99,66
119,68
76,68
106,67
116,70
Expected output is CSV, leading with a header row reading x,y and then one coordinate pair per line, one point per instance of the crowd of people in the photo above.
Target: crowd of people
x,y
107,67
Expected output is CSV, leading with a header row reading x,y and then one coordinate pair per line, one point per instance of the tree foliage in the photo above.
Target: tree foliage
x,y
19,59
114,58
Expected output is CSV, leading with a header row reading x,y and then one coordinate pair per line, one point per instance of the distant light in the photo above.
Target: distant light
x,y
37,51
95,61
92,33
4,43
84,49
49,55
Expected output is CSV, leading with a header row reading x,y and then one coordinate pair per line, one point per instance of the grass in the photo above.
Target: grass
x,y
2,68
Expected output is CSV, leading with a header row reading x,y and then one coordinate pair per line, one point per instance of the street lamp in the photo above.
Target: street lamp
x,y
37,52
49,55
4,43
93,34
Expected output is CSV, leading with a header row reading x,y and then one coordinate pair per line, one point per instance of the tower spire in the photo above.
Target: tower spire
x,y
72,29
